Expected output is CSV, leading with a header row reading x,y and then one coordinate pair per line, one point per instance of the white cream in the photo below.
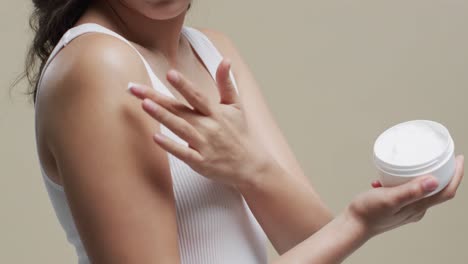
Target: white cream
x,y
411,143
412,149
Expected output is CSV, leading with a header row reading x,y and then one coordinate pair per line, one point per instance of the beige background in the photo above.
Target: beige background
x,y
335,73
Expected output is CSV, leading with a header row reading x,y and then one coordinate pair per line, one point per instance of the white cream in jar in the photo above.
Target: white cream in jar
x,y
415,148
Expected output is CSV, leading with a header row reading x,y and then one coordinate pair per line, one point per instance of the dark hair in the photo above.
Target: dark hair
x,y
49,20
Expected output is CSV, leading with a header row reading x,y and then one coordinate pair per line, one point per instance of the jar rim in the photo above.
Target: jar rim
x,y
407,170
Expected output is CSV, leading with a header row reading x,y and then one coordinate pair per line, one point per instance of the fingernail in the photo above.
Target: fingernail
x,y
429,184
158,137
150,104
135,88
173,75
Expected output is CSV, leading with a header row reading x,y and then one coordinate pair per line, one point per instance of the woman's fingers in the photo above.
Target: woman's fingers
x,y
410,192
188,155
226,87
410,196
450,190
415,217
143,91
194,96
445,194
178,125
376,184
171,113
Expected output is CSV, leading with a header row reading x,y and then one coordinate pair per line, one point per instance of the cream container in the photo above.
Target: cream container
x,y
413,149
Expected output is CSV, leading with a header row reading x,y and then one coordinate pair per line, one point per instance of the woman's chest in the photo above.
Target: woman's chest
x,y
192,68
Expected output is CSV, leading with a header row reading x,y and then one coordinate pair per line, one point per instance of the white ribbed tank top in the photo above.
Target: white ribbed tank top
x,y
214,222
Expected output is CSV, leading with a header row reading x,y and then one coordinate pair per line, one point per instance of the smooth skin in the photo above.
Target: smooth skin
x,y
95,140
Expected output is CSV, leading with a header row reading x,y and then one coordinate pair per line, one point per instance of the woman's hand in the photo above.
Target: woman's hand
x,y
220,145
382,209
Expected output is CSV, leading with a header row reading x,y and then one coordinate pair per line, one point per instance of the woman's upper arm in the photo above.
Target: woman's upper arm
x,y
259,116
116,179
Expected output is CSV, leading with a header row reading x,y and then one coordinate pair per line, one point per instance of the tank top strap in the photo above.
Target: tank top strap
x,y
79,30
207,51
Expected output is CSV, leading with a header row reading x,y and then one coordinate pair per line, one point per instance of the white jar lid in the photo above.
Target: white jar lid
x,y
412,147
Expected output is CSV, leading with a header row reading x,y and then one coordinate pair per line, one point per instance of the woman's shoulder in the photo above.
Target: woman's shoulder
x,y
92,71
227,47
221,40
92,58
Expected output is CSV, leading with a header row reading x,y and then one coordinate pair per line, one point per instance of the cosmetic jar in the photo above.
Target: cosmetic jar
x,y
413,149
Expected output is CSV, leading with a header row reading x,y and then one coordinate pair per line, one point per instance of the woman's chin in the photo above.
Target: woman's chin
x,y
165,10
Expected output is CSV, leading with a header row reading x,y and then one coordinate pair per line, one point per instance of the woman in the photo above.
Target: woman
x,y
221,178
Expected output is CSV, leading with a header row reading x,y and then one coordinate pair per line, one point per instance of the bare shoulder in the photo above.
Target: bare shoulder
x,y
242,73
223,42
85,89
90,58
93,69
216,35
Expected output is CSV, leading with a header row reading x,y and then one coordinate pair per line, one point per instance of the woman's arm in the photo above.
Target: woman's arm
x,y
369,214
221,148
332,244
295,211
224,148
117,181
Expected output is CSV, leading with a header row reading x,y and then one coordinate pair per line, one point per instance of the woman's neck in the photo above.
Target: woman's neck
x,y
158,36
